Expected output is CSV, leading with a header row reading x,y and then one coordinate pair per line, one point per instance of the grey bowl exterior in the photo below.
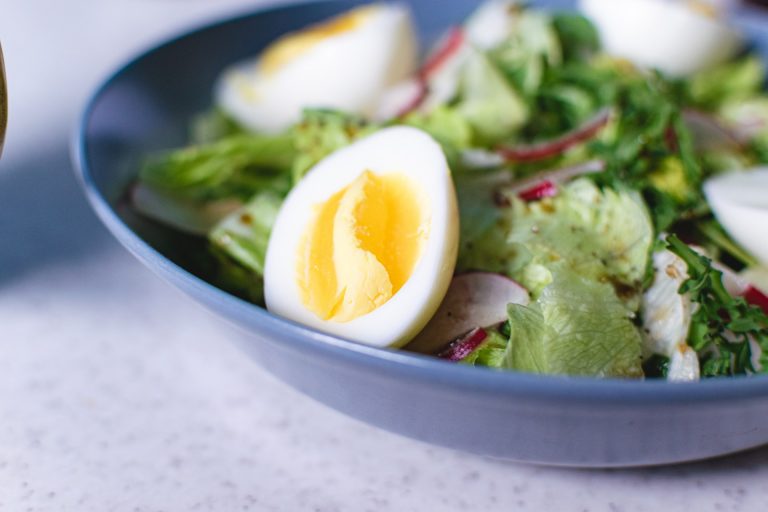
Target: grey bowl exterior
x,y
147,105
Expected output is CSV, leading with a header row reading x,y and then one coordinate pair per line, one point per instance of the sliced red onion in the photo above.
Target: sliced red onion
x,y
558,145
464,346
538,191
418,88
473,299
747,119
556,176
670,138
709,132
401,100
447,48
415,101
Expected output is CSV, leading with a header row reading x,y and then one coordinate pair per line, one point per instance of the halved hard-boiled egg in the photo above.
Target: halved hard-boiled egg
x,y
345,63
365,245
678,37
739,200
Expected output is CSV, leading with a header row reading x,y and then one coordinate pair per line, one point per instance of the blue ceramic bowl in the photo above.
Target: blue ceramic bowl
x,y
147,105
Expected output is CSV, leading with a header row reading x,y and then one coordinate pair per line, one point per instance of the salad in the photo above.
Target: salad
x,y
547,192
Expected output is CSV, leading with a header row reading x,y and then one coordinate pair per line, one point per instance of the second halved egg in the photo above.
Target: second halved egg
x,y
345,63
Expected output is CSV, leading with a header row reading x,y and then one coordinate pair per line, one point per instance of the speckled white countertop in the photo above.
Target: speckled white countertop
x,y
117,393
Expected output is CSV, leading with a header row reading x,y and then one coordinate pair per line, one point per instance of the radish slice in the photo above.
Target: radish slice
x,y
558,145
473,299
739,286
757,298
464,346
757,277
195,217
539,191
733,282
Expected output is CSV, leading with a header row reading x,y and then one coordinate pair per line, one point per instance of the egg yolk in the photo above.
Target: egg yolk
x,y
293,45
707,9
362,246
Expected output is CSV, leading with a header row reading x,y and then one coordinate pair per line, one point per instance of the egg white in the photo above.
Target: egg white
x,y
667,35
398,149
346,71
739,200
491,23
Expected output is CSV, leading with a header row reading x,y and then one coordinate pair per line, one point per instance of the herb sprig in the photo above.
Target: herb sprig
x,y
722,325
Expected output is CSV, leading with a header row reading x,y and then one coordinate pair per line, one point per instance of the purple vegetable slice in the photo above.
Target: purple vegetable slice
x,y
464,346
474,299
557,146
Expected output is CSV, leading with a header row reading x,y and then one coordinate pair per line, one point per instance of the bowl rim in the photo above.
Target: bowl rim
x,y
406,365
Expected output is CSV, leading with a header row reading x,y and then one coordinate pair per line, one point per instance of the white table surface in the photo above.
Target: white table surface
x,y
117,393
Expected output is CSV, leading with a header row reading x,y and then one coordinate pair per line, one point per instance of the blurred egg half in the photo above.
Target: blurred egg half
x,y
739,200
677,37
344,63
364,247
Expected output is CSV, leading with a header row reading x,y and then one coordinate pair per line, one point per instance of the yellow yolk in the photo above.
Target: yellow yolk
x,y
707,9
293,45
362,246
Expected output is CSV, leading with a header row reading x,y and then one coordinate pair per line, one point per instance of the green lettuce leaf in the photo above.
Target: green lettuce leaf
x,y
448,127
489,103
477,211
183,213
491,351
244,234
569,95
320,133
748,117
213,125
604,235
531,49
731,81
577,326
239,244
578,37
231,275
236,166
